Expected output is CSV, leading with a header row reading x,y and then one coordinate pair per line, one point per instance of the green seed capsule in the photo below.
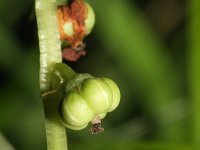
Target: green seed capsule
x,y
115,91
76,106
88,98
90,20
97,94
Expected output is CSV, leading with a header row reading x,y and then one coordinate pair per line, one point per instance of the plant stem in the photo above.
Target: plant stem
x,y
49,41
55,131
50,53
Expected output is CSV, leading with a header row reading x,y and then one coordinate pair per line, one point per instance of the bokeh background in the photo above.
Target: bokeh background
x,y
149,47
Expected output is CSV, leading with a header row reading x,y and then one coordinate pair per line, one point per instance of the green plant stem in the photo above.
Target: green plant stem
x,y
50,53
194,67
55,131
50,45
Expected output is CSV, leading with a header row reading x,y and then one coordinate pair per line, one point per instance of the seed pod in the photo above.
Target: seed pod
x,y
75,22
86,99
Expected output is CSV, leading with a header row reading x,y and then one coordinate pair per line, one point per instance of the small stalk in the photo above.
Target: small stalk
x,y
49,41
50,53
55,131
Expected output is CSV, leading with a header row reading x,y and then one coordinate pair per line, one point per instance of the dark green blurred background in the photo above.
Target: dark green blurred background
x,y
149,47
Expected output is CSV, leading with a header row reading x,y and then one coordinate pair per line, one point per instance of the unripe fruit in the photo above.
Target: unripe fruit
x,y
88,98
90,19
